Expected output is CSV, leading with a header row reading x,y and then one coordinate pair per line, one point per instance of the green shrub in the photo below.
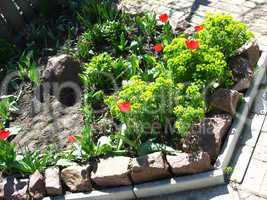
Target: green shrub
x,y
106,73
202,65
191,107
150,103
96,11
28,68
8,155
31,161
224,33
7,105
99,37
147,24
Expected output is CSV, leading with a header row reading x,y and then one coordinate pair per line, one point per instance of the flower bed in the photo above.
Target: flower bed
x,y
156,103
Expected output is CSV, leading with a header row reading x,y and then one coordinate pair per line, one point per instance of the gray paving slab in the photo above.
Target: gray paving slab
x,y
260,104
252,130
240,162
254,176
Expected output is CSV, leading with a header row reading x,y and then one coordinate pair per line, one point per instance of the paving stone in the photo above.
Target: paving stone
x,y
254,176
264,127
260,103
245,195
262,139
240,163
251,130
263,187
260,153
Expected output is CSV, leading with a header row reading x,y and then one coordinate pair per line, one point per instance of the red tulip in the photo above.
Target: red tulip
x,y
4,134
164,18
71,138
158,48
192,44
199,28
124,106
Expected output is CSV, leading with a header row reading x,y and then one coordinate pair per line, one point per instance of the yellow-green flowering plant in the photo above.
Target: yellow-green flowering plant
x,y
224,33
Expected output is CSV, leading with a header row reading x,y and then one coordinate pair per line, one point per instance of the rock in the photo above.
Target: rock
x,y
12,188
37,186
21,194
208,135
61,76
180,25
250,51
53,184
61,69
149,167
112,172
225,100
77,178
184,163
242,84
242,72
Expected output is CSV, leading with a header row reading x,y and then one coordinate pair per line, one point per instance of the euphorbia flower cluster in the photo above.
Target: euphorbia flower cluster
x,y
4,134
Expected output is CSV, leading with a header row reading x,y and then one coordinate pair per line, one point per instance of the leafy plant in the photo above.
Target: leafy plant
x,y
96,11
224,33
31,161
191,107
100,36
88,147
8,163
28,68
105,73
7,105
202,66
149,104
147,24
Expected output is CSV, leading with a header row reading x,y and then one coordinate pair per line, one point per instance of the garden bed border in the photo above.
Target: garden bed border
x,y
190,182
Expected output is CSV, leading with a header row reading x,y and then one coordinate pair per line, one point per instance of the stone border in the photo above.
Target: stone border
x,y
228,148
196,181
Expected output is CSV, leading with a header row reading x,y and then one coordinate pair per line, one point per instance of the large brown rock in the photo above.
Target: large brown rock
x,y
112,172
242,72
251,51
77,178
62,68
149,167
12,188
184,163
225,100
52,181
37,186
208,135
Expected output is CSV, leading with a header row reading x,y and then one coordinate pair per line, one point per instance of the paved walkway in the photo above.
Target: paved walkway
x,y
253,12
249,178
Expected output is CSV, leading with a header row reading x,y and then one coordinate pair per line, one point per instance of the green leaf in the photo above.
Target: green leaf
x,y
151,147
